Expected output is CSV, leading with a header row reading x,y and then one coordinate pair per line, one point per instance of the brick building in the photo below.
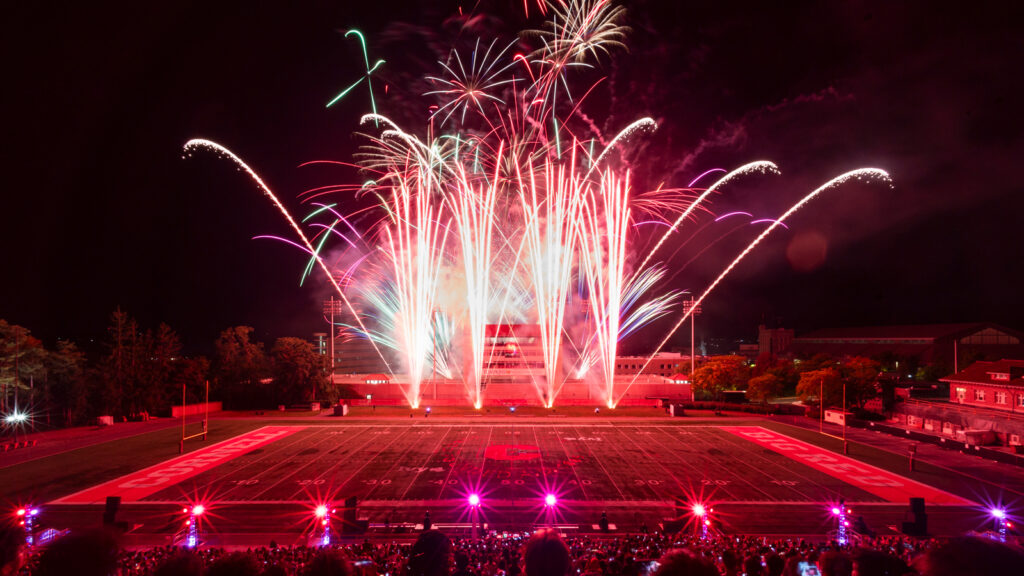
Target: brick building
x,y
997,385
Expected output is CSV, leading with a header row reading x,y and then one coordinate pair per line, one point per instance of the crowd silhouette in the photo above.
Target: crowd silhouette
x,y
542,553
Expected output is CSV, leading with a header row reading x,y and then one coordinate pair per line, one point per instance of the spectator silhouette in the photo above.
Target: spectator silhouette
x,y
328,562
461,564
752,566
12,550
85,554
876,563
971,556
180,564
835,563
235,564
430,555
682,562
545,554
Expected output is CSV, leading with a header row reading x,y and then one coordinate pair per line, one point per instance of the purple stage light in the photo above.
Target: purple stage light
x,y
999,513
474,500
550,500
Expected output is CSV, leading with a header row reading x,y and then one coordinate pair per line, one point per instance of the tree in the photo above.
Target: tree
x,y
721,373
782,368
239,365
158,378
114,378
298,370
192,373
860,375
22,362
816,362
765,387
66,389
825,384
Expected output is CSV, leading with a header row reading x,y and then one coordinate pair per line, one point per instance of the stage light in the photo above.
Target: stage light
x,y
321,511
474,500
428,409
836,511
699,510
198,509
999,513
21,511
550,500
33,512
15,418
512,409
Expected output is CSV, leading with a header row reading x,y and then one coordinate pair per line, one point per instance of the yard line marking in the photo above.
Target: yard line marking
x,y
815,485
601,464
138,485
882,483
430,456
287,463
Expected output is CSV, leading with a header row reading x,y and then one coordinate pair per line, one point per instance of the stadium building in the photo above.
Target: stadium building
x,y
513,374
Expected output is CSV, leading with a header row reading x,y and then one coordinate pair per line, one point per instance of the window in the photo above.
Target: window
x,y
979,395
1020,400
961,394
1000,397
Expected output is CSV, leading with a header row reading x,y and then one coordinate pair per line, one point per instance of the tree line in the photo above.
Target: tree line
x,y
139,371
819,377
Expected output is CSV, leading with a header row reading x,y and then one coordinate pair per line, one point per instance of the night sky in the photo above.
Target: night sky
x,y
99,208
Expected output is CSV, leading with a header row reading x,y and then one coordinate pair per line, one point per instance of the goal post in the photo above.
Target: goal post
x,y
184,414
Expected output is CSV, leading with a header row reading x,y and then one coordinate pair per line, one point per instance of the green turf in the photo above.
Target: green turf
x,y
51,477
939,477
55,476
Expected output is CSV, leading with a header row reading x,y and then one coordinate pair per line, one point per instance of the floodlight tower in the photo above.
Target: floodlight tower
x,y
474,513
693,309
322,529
701,514
1001,524
27,518
192,534
332,307
842,524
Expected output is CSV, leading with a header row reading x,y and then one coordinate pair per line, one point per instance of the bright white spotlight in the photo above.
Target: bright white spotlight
x,y
474,500
198,510
550,500
321,511
15,418
836,511
699,510
999,513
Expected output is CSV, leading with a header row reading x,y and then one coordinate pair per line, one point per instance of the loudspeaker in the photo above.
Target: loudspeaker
x,y
918,524
110,511
670,526
348,515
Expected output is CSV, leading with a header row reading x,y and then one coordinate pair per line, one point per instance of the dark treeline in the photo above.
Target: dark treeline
x,y
140,371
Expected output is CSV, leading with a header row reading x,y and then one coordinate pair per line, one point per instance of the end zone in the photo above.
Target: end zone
x,y
137,485
882,483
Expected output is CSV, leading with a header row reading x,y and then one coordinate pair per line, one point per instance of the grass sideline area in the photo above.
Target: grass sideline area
x,y
51,477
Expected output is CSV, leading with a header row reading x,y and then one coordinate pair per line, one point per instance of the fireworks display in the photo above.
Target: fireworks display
x,y
508,207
